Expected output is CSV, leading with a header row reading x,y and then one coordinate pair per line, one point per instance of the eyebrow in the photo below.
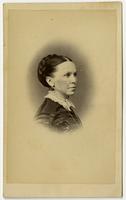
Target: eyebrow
x,y
70,73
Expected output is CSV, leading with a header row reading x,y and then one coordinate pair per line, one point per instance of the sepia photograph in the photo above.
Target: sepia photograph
x,y
62,99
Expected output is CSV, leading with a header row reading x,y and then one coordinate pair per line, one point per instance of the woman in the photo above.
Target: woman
x,y
59,74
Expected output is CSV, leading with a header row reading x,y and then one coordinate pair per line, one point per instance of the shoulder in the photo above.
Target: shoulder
x,y
47,112
51,108
54,115
48,106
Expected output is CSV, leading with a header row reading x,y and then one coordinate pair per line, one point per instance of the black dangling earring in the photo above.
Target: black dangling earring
x,y
53,87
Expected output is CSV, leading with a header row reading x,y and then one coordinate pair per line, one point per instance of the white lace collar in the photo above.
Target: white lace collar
x,y
54,96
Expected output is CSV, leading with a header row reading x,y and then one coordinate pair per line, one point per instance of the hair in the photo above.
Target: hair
x,y
47,66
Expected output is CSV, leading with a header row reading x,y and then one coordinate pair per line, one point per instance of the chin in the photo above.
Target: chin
x,y
70,93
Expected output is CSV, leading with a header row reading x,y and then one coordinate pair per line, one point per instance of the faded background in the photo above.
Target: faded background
x,y
38,156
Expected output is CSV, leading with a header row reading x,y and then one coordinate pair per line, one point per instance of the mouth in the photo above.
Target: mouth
x,y
72,88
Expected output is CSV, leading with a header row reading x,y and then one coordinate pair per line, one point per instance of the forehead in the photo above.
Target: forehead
x,y
66,67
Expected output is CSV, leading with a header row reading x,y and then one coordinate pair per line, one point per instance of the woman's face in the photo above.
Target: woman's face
x,y
65,78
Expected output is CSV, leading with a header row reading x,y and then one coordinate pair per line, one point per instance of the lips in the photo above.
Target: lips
x,y
74,87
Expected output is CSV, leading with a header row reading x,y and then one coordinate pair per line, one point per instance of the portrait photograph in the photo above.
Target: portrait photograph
x,y
63,99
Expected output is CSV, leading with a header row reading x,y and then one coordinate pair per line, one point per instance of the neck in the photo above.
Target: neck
x,y
63,100
60,95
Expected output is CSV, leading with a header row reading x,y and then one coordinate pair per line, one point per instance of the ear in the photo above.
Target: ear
x,y
50,81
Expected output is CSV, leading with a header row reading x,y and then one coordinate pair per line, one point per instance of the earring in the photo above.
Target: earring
x,y
53,86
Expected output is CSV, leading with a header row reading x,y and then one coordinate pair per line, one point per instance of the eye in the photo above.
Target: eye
x,y
75,74
67,74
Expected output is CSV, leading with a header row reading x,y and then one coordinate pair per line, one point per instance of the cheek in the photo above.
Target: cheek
x,y
61,84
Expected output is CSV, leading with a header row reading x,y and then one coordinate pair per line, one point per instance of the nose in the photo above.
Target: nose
x,y
73,78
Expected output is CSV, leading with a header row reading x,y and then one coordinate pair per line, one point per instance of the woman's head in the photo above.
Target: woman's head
x,y
58,72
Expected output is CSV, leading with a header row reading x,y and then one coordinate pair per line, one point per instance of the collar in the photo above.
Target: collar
x,y
54,96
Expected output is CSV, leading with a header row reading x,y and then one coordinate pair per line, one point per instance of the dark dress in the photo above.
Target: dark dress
x,y
55,116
